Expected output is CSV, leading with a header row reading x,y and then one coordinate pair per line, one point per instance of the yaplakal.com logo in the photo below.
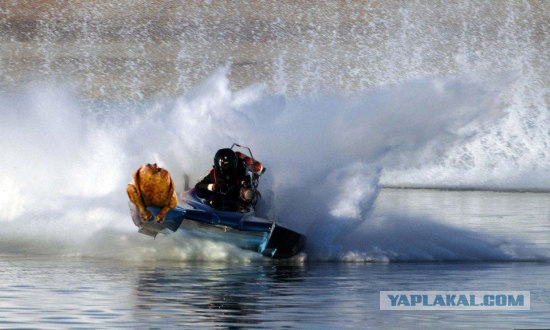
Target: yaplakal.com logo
x,y
455,300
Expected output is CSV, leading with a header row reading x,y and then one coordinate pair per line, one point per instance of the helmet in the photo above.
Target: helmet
x,y
225,161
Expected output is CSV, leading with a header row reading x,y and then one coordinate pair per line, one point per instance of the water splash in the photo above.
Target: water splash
x,y
68,165
142,49
404,94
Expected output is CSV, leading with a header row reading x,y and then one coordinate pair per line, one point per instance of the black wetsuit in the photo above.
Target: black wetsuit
x,y
227,188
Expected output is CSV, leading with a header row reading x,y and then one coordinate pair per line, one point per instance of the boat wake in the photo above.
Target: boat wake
x,y
67,163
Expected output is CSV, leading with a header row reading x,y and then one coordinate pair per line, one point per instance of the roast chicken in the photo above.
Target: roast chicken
x,y
152,186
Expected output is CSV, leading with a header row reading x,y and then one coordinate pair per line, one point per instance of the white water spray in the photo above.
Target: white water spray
x,y
346,97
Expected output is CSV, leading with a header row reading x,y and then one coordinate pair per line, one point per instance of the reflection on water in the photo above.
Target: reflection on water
x,y
325,295
212,294
61,293
41,291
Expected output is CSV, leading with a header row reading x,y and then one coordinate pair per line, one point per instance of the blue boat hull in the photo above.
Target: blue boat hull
x,y
244,230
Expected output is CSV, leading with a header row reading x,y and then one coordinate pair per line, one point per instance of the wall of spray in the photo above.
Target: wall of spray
x,y
341,97
131,51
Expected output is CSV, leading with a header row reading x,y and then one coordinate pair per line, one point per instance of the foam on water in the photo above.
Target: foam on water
x,y
337,100
66,165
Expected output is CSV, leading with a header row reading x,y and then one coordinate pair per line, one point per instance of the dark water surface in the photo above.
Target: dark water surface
x,y
69,293
501,238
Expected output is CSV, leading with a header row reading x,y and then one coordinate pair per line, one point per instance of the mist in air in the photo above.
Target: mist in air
x,y
334,121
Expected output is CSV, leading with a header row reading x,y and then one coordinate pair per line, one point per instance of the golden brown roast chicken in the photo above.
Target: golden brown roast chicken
x,y
152,186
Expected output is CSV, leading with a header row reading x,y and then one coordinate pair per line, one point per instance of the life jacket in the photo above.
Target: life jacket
x,y
251,164
223,185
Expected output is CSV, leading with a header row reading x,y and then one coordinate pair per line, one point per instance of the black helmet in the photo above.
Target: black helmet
x,y
225,161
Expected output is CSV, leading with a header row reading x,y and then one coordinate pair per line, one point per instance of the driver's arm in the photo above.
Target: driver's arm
x,y
207,183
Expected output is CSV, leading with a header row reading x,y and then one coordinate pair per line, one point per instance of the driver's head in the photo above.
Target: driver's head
x,y
225,161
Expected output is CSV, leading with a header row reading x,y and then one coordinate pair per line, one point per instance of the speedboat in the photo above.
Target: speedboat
x,y
243,229
221,219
